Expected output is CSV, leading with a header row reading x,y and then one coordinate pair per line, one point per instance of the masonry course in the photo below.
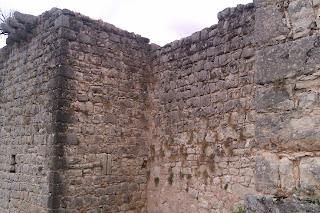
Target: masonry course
x,y
96,119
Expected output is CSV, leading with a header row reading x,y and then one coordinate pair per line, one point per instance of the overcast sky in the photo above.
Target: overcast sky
x,y
162,21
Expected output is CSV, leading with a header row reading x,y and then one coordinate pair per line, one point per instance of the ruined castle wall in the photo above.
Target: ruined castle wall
x,y
26,119
105,149
94,119
203,117
287,98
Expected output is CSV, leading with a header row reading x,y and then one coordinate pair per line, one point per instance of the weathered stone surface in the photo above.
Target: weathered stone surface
x,y
201,116
62,21
287,176
259,204
26,122
269,25
25,18
99,120
280,20
271,99
267,173
279,131
310,175
286,60
301,16
264,3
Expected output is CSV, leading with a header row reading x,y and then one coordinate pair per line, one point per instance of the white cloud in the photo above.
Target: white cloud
x,y
160,20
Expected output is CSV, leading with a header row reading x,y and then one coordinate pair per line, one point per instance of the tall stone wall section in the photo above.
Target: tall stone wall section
x,y
203,118
28,115
105,145
287,105
73,100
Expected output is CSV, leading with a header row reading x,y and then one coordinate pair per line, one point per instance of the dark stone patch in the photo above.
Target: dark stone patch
x,y
259,204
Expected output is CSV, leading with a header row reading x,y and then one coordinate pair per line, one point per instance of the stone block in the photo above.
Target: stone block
x,y
84,38
265,3
269,25
106,163
67,34
309,84
267,173
71,139
303,133
285,131
301,16
310,175
268,127
272,98
25,18
287,60
62,21
308,100
287,179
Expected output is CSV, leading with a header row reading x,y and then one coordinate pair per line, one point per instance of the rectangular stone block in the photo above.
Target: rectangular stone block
x,y
264,3
269,25
310,175
301,16
288,131
268,127
286,174
270,99
106,163
287,60
274,175
62,21
267,173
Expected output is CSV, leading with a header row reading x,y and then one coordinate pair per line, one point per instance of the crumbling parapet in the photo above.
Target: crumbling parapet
x,y
19,27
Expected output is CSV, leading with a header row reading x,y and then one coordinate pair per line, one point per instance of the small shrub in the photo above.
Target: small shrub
x,y
240,209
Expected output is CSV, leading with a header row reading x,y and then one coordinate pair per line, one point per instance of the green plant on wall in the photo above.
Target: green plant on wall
x,y
239,209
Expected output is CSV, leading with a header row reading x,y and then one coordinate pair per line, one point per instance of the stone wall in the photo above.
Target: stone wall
x,y
287,98
203,118
73,100
96,119
105,149
27,118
